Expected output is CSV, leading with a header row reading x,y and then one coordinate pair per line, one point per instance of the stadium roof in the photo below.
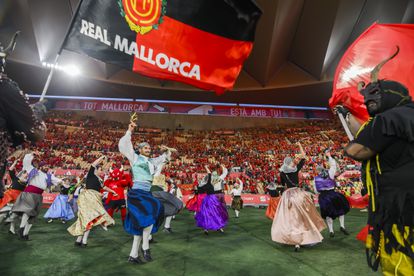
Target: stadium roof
x,y
297,47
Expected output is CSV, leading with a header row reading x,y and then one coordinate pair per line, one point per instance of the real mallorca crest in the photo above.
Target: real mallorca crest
x,y
143,15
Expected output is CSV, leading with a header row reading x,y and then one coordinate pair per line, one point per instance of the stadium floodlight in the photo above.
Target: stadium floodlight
x,y
70,69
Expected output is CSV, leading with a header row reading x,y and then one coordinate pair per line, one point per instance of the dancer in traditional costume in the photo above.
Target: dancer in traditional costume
x,y
91,211
18,184
275,197
145,212
29,202
74,192
218,182
237,202
296,222
176,191
172,205
332,204
61,208
213,213
385,144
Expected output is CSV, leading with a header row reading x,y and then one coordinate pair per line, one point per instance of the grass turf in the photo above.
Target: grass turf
x,y
244,249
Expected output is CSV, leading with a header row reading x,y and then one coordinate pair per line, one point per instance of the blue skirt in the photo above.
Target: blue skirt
x,y
213,214
60,209
143,210
333,204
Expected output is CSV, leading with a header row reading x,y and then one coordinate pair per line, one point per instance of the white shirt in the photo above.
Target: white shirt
x,y
237,191
220,184
40,179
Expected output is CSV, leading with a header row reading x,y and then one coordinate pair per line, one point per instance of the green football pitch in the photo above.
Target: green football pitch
x,y
244,249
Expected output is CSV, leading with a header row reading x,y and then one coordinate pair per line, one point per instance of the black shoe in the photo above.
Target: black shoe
x,y
78,244
343,230
20,233
147,255
84,245
11,233
206,232
136,260
331,234
297,247
168,230
26,238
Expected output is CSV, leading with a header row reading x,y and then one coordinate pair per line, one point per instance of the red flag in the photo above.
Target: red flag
x,y
377,43
203,43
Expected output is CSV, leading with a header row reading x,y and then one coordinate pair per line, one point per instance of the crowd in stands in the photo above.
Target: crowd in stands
x,y
253,155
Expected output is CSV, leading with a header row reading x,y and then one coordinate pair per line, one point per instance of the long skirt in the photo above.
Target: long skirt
x,y
333,204
297,222
10,196
212,215
221,198
272,207
91,213
28,203
143,210
60,209
194,204
237,203
172,205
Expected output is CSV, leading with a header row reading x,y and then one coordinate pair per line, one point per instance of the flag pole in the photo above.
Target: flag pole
x,y
345,126
49,77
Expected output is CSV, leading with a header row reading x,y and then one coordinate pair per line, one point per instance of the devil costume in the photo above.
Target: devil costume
x,y
389,174
18,121
117,181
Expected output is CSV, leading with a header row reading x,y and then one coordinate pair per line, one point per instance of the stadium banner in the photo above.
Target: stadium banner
x,y
248,199
189,109
203,43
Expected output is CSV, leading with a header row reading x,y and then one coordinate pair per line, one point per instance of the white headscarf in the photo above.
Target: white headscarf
x,y
287,166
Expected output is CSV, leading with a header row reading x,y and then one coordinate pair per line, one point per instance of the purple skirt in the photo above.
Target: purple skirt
x,y
333,204
212,215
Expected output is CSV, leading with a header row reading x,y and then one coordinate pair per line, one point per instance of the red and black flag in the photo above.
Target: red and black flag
x,y
199,42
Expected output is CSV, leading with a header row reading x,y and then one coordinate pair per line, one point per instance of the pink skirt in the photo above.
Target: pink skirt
x,y
297,222
194,203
